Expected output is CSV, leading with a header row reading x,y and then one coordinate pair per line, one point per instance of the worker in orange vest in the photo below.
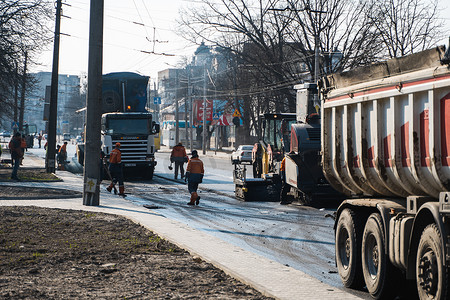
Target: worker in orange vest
x,y
116,170
62,156
194,176
285,188
179,157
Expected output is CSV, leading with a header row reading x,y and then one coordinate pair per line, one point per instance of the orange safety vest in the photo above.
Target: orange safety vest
x,y
283,164
178,151
195,166
115,157
62,149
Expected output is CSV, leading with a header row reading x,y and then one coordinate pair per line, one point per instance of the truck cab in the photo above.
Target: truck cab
x,y
269,151
136,134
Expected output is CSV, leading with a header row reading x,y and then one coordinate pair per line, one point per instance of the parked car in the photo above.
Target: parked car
x,y
66,137
79,139
243,154
6,134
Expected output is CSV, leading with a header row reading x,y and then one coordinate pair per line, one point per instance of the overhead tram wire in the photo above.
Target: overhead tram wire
x,y
126,32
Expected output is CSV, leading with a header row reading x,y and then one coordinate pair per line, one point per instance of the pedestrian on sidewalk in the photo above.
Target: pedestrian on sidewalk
x,y
116,170
39,140
16,154
194,176
179,157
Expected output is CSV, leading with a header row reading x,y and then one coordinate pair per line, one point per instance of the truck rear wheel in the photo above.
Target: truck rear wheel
x,y
149,173
379,274
431,275
348,245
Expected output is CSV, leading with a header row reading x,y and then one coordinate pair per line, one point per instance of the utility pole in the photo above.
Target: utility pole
x,y
177,121
316,58
53,108
316,53
186,110
91,190
191,111
22,96
16,95
156,105
204,111
177,110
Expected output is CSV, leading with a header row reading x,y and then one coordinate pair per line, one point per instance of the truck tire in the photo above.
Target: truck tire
x,y
378,272
348,245
149,173
431,274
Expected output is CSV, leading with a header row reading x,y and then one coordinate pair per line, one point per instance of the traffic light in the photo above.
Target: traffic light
x,y
236,121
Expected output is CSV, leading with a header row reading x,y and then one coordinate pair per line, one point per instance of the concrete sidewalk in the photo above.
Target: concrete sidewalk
x,y
267,276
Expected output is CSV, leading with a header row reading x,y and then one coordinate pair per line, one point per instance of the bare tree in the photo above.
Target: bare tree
x,y
23,28
405,26
271,43
248,29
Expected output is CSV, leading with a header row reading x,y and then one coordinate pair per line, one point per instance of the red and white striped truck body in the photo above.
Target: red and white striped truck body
x,y
386,144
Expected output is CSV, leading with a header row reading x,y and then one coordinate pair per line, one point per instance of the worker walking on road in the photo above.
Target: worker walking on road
x,y
115,168
179,157
194,176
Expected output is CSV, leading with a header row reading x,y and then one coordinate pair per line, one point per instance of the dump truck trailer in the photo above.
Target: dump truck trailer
x,y
385,143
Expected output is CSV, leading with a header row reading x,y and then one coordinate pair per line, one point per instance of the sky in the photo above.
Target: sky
x,y
130,27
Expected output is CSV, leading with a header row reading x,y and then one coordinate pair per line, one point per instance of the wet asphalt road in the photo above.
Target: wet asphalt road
x,y
297,236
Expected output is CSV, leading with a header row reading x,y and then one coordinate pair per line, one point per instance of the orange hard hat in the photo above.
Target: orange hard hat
x,y
117,144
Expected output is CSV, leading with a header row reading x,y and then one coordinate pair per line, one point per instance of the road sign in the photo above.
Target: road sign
x,y
14,125
236,113
216,116
156,100
91,184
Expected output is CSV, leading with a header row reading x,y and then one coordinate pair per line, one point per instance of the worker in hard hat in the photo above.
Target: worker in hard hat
x,y
62,156
116,170
194,176
179,157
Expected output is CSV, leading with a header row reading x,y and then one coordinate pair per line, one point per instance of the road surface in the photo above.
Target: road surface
x,y
297,236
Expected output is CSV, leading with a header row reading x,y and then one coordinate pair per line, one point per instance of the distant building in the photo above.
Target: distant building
x,y
69,100
180,88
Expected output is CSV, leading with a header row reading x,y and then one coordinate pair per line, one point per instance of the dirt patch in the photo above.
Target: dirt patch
x,y
27,174
15,192
62,254
22,192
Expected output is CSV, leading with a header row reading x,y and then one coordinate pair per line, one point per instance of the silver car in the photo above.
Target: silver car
x,y
243,154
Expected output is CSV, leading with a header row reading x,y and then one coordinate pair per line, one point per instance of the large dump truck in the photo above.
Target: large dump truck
x,y
386,145
126,120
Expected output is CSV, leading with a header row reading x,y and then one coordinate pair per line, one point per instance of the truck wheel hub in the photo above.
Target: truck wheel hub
x,y
375,256
428,273
347,248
